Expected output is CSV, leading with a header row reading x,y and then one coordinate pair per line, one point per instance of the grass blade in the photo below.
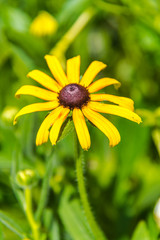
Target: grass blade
x,y
10,223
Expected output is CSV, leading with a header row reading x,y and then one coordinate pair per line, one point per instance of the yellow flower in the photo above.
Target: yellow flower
x,y
70,94
44,24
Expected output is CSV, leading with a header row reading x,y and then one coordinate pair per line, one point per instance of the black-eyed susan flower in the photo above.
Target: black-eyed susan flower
x,y
67,93
44,24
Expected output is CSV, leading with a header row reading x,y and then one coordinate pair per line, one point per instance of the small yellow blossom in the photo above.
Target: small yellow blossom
x,y
70,94
44,24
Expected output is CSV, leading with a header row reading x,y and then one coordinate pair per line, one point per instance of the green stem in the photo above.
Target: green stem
x,y
84,198
72,33
110,7
29,213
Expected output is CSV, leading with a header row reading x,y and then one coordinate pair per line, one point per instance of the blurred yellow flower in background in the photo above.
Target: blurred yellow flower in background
x,y
70,94
44,24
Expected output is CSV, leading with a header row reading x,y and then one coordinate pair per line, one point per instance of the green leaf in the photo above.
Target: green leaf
x,y
15,19
4,47
28,127
21,63
73,218
1,233
70,10
45,187
55,231
14,169
7,136
153,227
156,139
10,223
141,232
47,218
66,128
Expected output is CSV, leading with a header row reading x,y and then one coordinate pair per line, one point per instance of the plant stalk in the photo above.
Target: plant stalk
x,y
72,33
83,195
29,213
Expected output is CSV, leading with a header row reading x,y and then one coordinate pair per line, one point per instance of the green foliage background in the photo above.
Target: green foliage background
x,y
123,182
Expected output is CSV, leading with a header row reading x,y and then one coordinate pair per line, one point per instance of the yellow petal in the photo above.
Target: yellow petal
x,y
73,69
104,125
43,133
101,83
93,69
121,101
37,92
81,129
44,80
45,137
115,110
56,69
54,133
36,107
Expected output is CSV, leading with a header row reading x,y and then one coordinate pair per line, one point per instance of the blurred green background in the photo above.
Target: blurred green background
x,y
123,182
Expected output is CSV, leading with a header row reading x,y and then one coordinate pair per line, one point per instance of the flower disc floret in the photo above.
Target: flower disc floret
x,y
73,96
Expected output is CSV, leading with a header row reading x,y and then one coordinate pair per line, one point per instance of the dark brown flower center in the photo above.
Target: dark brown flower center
x,y
73,96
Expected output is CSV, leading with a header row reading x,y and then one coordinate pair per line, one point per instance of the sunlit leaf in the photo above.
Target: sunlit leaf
x,y
141,232
73,218
55,231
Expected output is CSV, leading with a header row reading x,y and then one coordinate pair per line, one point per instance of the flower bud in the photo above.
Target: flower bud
x,y
26,178
8,114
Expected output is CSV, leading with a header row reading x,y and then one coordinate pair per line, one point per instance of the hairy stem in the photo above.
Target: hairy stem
x,y
83,195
